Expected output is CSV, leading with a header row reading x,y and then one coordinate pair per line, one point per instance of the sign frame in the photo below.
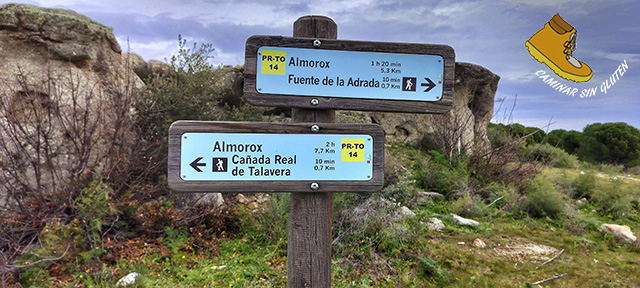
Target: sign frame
x,y
178,128
253,97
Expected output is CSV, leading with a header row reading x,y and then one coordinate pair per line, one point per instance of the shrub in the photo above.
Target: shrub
x,y
610,168
634,170
272,223
612,198
505,162
553,156
584,185
443,175
469,205
402,191
498,135
543,199
429,270
59,131
95,209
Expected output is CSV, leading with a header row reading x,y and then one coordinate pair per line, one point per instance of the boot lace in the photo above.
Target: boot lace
x,y
570,45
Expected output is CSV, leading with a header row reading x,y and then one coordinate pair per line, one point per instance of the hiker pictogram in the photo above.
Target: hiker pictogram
x,y
409,83
554,45
220,165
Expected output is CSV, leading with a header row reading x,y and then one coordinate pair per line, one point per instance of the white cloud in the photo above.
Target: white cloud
x,y
158,50
544,2
222,58
619,57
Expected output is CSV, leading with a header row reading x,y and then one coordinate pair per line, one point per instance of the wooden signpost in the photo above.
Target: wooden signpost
x,y
312,157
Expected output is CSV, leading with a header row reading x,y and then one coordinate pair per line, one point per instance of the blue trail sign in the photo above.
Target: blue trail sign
x,y
212,156
282,157
349,75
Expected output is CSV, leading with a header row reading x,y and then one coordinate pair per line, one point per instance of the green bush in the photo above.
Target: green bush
x,y
429,270
543,199
554,156
611,168
612,198
469,206
498,135
584,185
272,223
442,175
95,210
634,170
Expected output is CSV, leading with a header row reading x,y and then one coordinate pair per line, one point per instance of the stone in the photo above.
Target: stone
x,y
68,35
243,199
479,243
214,199
425,197
404,212
129,279
464,221
71,66
262,198
143,69
228,81
435,224
137,64
465,126
381,209
157,67
582,202
621,232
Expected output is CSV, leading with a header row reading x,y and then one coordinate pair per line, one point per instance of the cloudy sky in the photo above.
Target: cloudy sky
x,y
489,33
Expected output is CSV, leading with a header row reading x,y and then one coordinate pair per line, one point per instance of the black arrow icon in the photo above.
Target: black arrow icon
x,y
195,164
430,84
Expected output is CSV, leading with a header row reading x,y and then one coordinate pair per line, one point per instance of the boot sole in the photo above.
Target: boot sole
x,y
543,59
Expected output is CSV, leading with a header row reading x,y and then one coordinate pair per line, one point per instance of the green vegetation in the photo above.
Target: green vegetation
x,y
532,196
613,143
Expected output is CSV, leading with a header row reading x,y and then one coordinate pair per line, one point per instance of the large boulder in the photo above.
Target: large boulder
x,y
463,127
146,70
65,97
228,81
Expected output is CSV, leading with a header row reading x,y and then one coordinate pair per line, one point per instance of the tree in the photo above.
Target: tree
x,y
570,141
534,135
554,138
615,143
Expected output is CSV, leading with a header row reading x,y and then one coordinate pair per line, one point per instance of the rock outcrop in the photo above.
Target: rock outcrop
x,y
63,79
228,81
143,69
41,34
464,126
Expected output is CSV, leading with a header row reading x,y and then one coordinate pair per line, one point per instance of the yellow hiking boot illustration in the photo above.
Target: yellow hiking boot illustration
x,y
553,45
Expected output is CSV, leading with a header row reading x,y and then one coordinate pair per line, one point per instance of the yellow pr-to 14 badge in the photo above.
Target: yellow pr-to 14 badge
x,y
352,150
273,62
